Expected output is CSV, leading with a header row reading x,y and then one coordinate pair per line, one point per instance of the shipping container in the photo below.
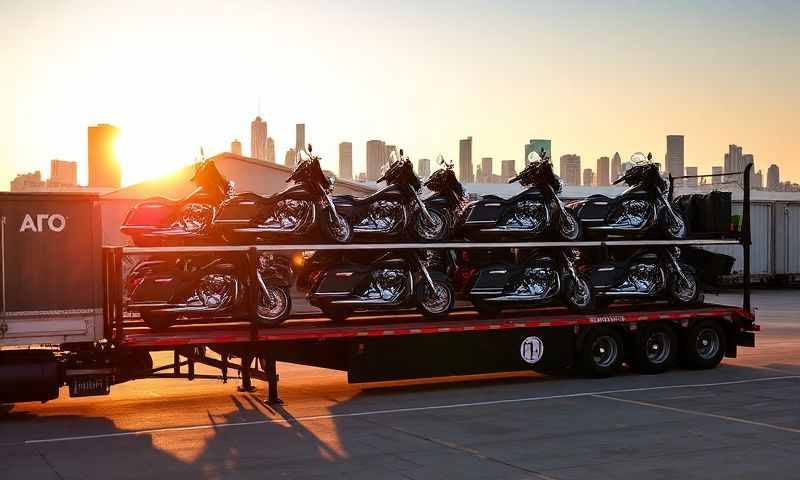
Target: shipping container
x,y
787,238
761,252
50,268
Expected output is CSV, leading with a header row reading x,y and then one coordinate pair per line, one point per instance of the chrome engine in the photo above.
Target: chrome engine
x,y
216,291
643,279
631,214
537,284
527,215
384,217
194,217
387,284
290,216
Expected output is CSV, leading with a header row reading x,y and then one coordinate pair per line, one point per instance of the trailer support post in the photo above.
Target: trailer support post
x,y
745,235
271,372
247,382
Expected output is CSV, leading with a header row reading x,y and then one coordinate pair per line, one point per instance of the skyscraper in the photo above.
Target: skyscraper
x,y
757,181
63,173
465,170
674,157
616,166
346,160
300,137
104,168
747,159
289,158
376,153
507,170
588,177
424,167
486,170
270,150
733,161
570,169
602,172
691,182
236,147
536,145
773,177
716,171
258,139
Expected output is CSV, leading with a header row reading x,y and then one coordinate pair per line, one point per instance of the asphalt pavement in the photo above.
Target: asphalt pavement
x,y
741,420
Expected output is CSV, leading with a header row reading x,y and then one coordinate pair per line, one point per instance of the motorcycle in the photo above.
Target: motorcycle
x,y
643,274
207,286
492,280
643,208
399,206
162,221
339,285
301,210
533,213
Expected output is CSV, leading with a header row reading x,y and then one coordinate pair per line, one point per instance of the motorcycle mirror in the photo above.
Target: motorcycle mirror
x,y
310,149
649,155
332,180
401,153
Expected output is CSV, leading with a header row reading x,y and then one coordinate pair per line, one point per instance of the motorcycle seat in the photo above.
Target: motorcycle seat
x,y
598,197
363,200
514,199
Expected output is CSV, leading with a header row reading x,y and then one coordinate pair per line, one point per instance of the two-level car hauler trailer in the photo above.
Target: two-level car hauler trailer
x,y
35,362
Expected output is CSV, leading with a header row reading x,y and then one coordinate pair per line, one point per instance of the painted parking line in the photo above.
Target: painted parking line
x,y
133,433
699,414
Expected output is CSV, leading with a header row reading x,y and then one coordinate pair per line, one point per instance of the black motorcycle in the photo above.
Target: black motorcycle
x,y
534,213
341,284
642,274
207,286
162,221
494,279
644,208
302,210
391,211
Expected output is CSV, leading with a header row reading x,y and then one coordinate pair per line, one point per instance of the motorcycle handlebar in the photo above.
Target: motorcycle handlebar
x,y
619,180
512,180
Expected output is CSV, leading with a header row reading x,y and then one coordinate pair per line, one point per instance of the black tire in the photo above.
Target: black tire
x,y
601,352
158,322
670,231
271,312
680,294
334,234
438,214
575,300
440,307
655,349
487,309
336,313
703,345
569,227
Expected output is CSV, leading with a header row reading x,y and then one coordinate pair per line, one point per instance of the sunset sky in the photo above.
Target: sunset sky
x,y
594,76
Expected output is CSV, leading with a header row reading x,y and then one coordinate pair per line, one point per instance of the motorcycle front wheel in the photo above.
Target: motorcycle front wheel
x,y
578,295
336,228
274,306
437,231
569,227
436,303
674,229
683,292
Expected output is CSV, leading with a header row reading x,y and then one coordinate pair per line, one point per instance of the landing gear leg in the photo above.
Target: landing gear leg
x,y
271,372
247,384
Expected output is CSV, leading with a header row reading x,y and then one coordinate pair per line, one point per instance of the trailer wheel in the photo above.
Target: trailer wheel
x,y
655,349
703,345
601,352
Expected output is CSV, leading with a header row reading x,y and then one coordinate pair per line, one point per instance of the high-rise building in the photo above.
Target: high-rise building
x,y
346,160
570,169
258,139
465,170
747,159
63,173
757,181
536,145
376,155
674,157
733,162
424,167
616,166
691,172
104,168
289,158
300,137
236,147
507,170
270,150
25,182
773,177
588,177
716,171
486,170
602,178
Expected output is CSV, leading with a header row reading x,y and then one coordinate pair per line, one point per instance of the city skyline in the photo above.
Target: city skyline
x,y
599,97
